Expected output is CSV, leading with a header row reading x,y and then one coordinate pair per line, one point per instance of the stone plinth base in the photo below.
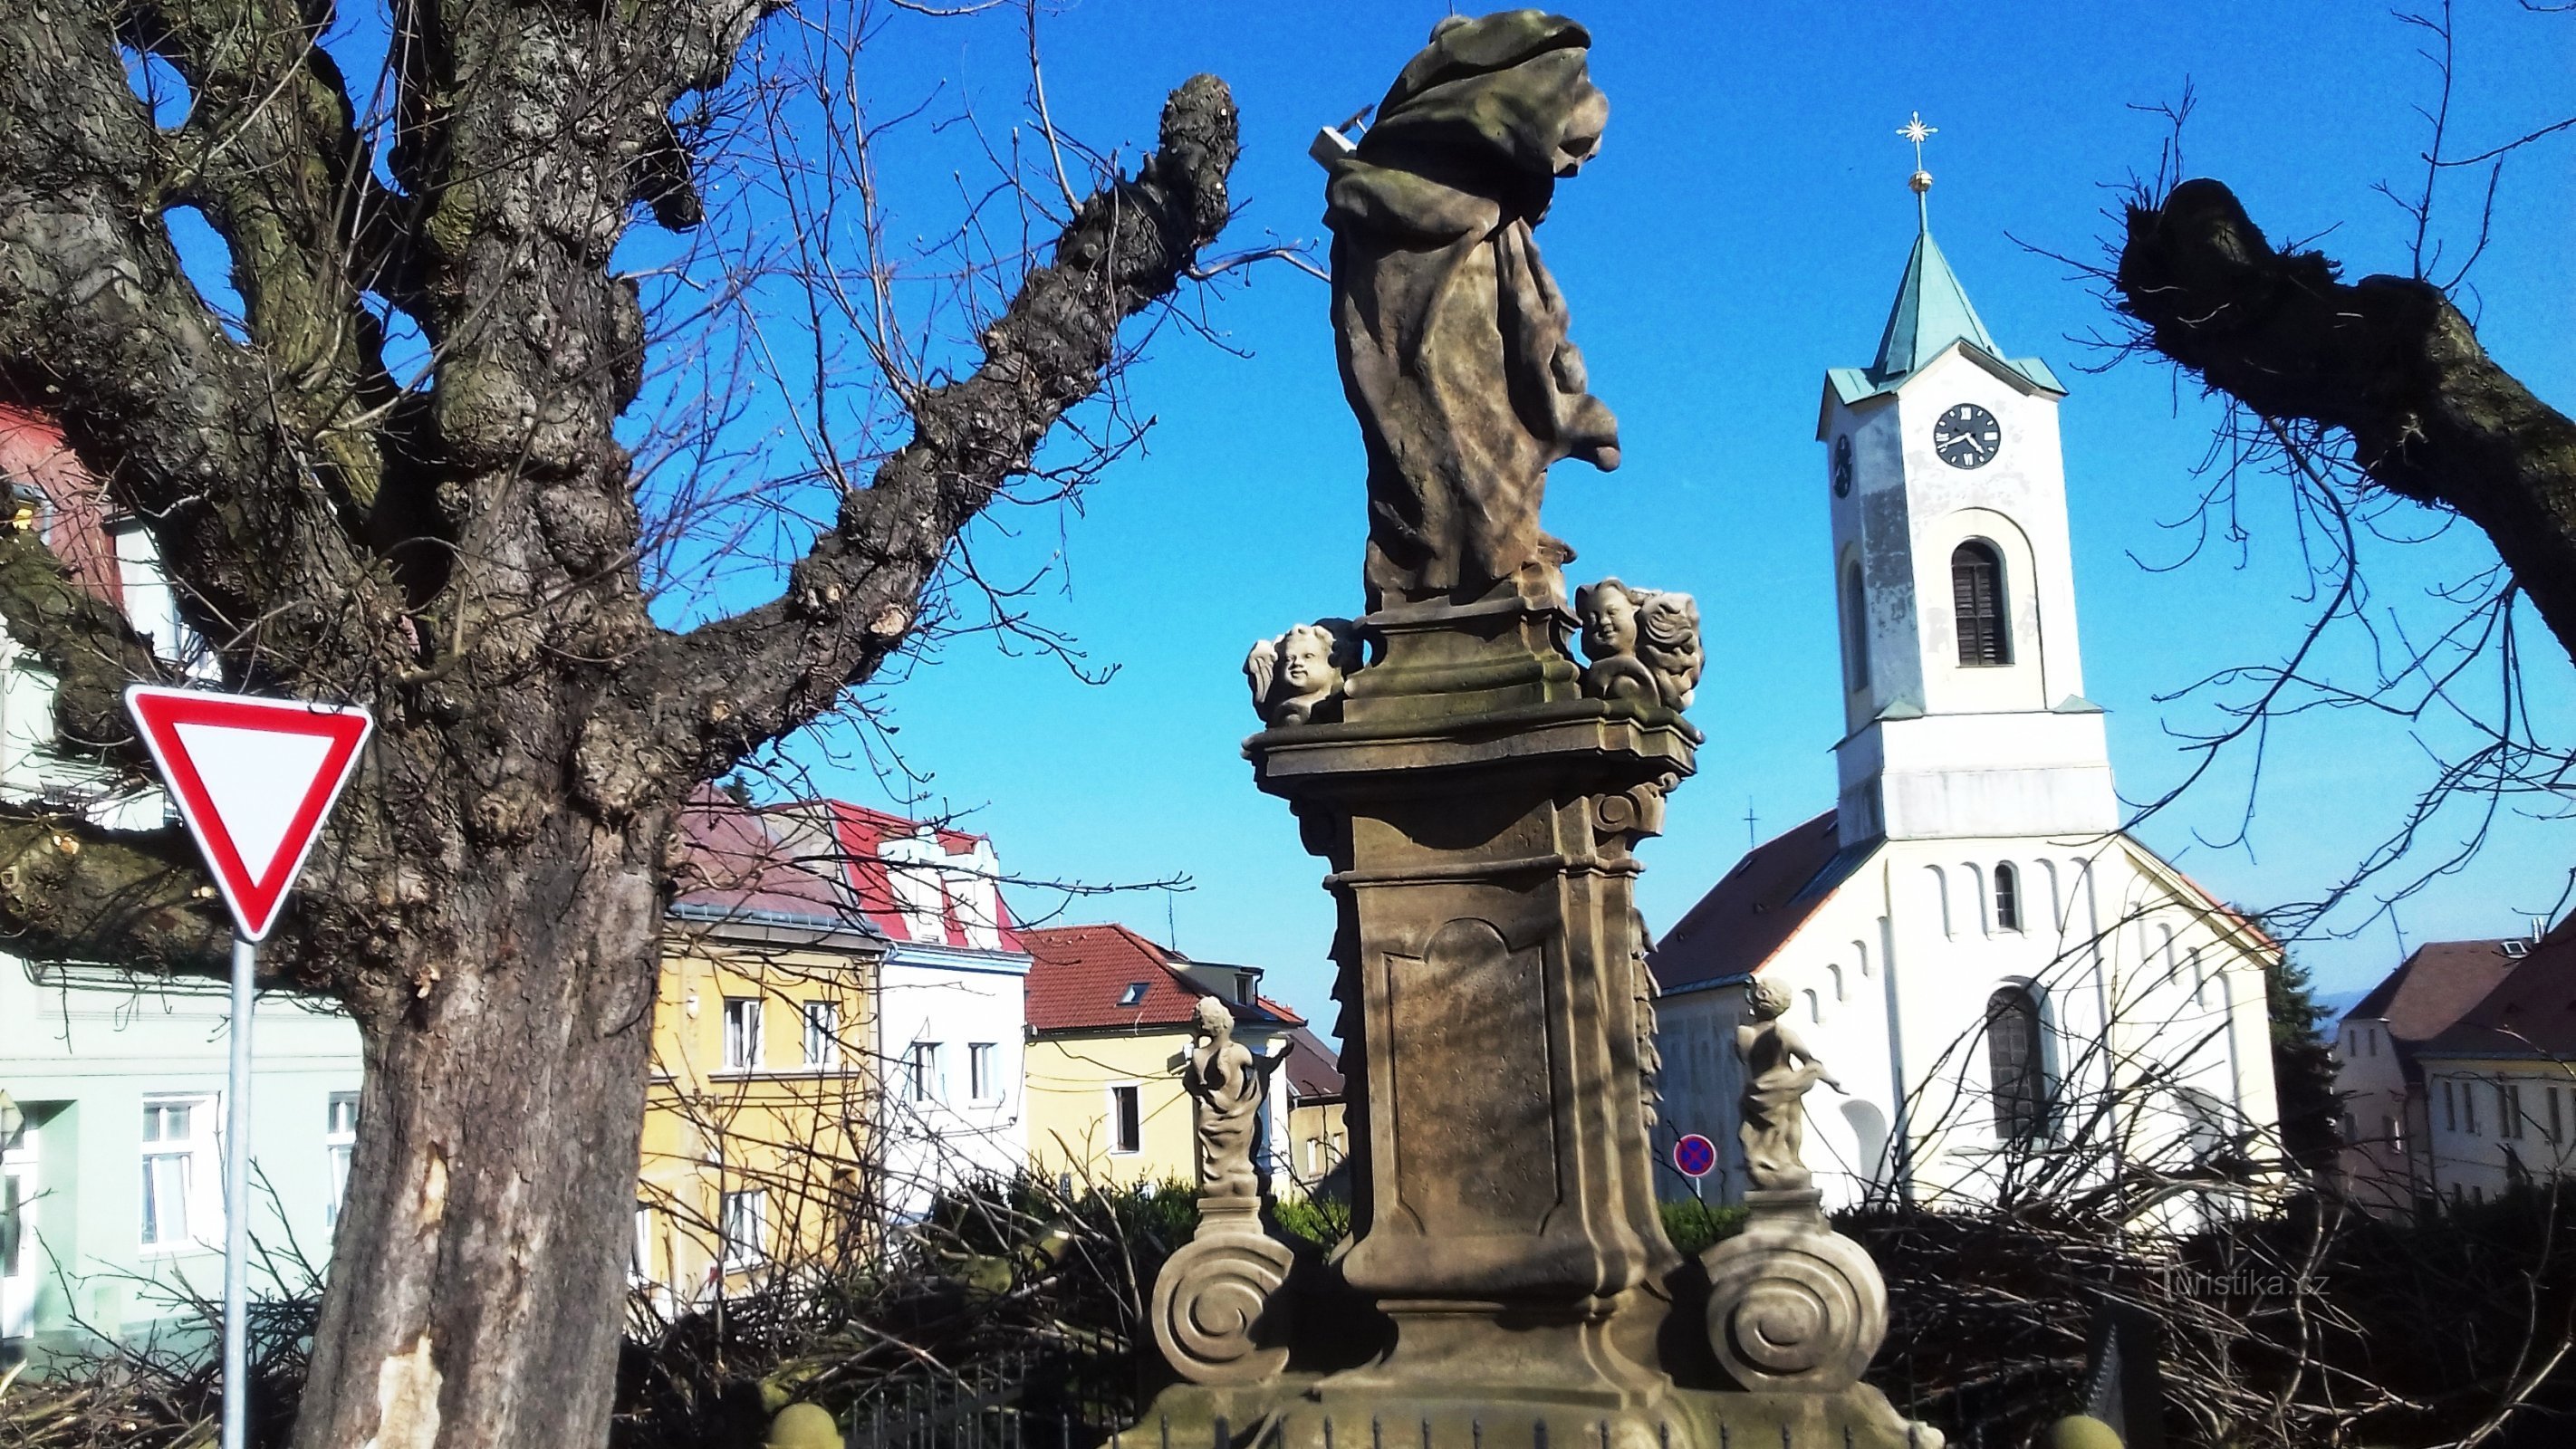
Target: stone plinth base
x,y
1303,1412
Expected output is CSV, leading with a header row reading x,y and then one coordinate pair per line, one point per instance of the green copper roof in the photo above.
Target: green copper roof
x,y
1932,311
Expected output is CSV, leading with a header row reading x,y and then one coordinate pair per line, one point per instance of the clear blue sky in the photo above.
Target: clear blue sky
x,y
1741,232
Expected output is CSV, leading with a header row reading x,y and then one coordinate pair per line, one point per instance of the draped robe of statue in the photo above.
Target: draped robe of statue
x,y
1450,332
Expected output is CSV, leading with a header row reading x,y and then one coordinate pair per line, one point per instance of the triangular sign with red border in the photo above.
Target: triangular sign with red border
x,y
254,778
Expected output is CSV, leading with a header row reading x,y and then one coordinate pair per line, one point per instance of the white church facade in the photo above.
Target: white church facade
x,y
2017,997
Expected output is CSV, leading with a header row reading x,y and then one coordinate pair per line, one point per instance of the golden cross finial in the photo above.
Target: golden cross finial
x,y
1921,181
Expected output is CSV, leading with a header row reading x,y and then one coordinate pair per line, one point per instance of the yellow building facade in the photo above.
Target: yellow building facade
x,y
783,1128
1109,1028
760,1116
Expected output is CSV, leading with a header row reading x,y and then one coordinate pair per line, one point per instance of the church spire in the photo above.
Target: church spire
x,y
1931,312
1932,309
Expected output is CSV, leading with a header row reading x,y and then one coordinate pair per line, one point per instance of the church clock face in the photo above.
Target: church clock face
x,y
1967,436
1842,466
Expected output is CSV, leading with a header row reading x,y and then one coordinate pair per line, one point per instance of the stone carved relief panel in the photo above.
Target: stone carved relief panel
x,y
1469,1080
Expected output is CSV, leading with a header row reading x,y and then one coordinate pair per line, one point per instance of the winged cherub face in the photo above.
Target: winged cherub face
x,y
1609,621
1306,660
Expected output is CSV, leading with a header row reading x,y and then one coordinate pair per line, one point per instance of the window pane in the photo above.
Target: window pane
x,y
1130,1123
10,1232
165,1199
741,1033
822,1034
979,1071
2013,1063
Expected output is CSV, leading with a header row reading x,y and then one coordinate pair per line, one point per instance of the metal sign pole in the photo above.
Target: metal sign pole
x,y
237,1205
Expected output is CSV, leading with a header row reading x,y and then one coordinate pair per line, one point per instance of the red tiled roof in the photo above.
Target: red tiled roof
x,y
2435,987
740,859
864,834
1755,907
822,862
2530,1013
1078,974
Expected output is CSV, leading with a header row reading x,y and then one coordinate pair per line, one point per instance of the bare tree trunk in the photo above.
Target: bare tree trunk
x,y
474,1297
2388,361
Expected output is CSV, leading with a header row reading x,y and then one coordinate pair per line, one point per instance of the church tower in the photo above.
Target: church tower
x,y
1963,697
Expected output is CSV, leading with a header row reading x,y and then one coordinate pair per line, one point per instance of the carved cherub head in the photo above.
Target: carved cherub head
x,y
1301,669
1766,1001
1609,611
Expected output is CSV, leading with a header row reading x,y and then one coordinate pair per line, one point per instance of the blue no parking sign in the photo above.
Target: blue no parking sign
x,y
1694,1156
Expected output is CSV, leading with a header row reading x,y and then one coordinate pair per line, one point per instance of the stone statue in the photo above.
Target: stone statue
x,y
1643,643
1228,1082
1297,678
1778,1070
1217,1313
1450,332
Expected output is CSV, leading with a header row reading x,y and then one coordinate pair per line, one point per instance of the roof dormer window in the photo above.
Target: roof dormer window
x,y
2517,949
1134,995
1243,988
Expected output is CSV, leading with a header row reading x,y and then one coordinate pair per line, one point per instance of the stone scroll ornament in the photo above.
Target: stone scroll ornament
x,y
1298,677
1643,643
1217,1310
1450,332
1792,1303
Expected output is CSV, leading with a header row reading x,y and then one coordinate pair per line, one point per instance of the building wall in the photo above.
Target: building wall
x,y
1319,1139
2381,1168
1070,1075
2133,975
951,1133
795,1133
1932,747
82,1051
2494,1120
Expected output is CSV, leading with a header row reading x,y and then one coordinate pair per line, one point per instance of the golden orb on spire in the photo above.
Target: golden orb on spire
x,y
1921,181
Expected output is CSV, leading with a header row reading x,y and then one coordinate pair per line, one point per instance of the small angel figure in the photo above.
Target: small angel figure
x,y
1778,1070
1643,643
1228,1082
1296,677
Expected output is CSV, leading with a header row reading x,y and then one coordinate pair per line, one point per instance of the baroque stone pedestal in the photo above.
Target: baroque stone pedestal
x,y
1478,814
1478,811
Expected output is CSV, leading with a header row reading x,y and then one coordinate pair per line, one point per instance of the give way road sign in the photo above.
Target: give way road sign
x,y
254,779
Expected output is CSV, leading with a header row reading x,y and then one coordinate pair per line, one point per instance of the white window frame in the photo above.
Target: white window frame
x,y
742,1033
20,1192
1136,1093
340,1147
193,1169
983,1077
822,1034
639,1251
921,1073
738,1210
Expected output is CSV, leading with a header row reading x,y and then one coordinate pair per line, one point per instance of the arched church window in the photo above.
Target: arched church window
x,y
2013,1064
1855,630
2007,896
1977,596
